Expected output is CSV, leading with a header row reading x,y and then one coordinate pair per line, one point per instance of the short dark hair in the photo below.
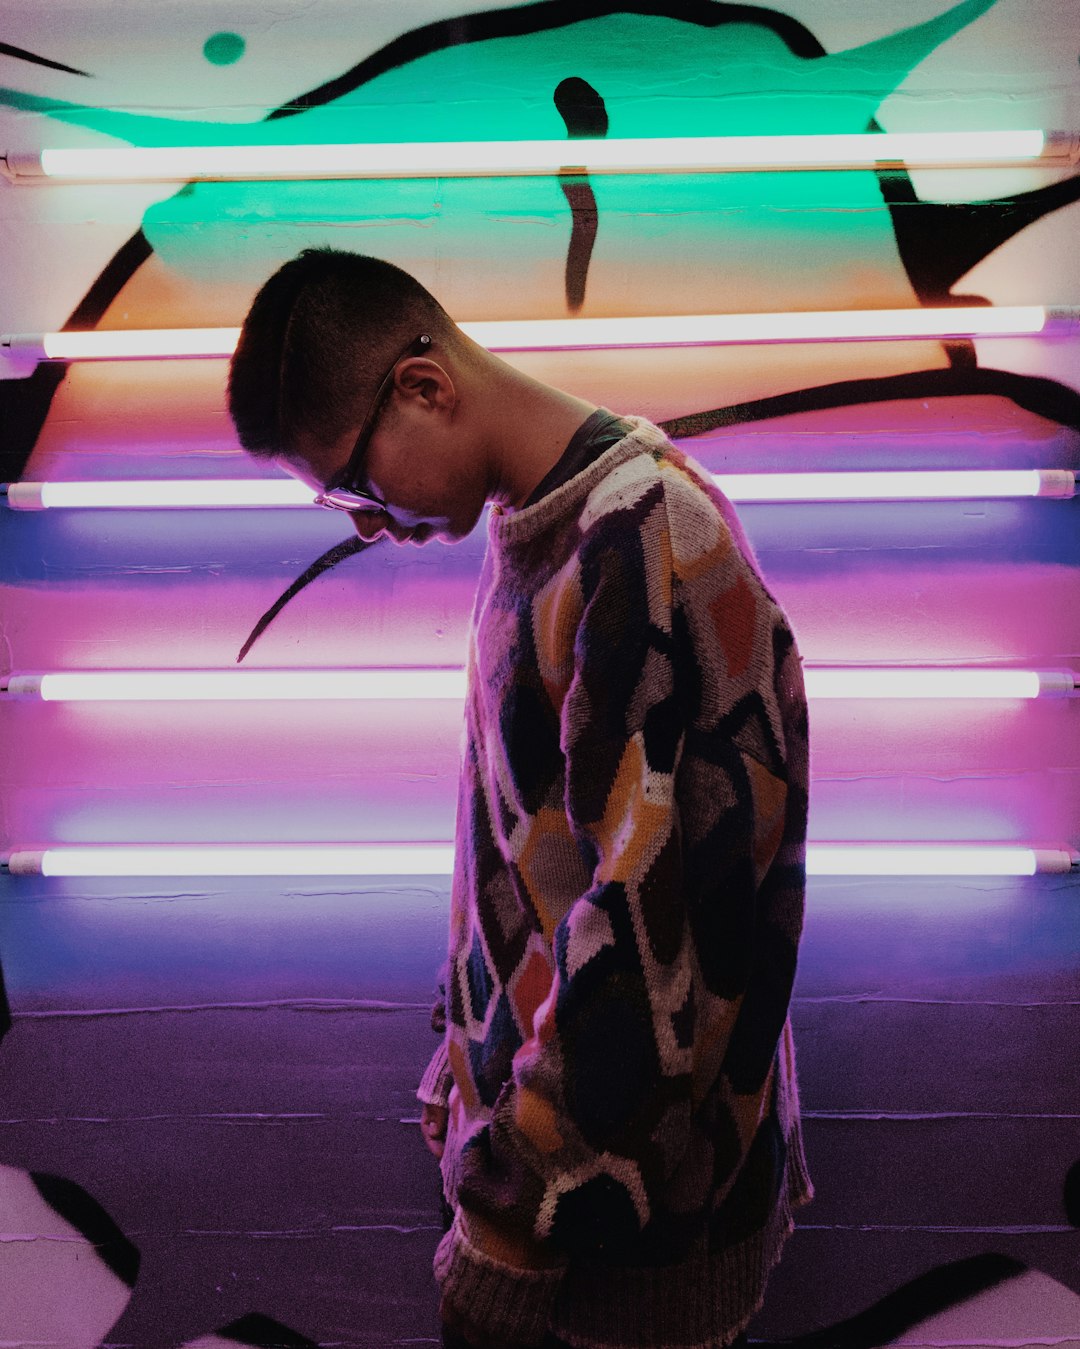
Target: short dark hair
x,y
318,337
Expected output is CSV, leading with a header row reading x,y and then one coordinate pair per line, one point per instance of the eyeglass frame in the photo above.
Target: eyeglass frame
x,y
345,481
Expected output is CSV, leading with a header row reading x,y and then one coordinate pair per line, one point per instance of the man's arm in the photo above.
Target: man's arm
x,y
597,1114
435,1084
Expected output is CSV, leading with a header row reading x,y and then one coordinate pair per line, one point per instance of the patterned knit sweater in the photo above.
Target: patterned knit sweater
x,y
625,915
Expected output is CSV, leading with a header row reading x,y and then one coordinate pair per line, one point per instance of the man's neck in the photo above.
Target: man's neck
x,y
532,424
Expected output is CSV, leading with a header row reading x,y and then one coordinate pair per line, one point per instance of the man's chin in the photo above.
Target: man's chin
x,y
425,533
446,531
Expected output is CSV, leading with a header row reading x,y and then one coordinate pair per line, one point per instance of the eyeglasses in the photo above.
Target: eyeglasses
x,y
343,491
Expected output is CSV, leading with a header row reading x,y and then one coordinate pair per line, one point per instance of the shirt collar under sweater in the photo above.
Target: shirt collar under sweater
x,y
507,529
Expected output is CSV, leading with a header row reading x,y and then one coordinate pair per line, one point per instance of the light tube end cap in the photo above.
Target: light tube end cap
x,y
25,496
1057,684
22,685
25,863
1057,482
22,165
1056,861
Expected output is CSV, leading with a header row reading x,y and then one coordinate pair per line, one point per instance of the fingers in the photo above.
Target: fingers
x,y
433,1121
434,1118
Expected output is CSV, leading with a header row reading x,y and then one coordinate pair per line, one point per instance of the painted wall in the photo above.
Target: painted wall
x,y
208,1125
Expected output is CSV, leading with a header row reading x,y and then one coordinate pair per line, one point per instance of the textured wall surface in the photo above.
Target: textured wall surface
x,y
208,1128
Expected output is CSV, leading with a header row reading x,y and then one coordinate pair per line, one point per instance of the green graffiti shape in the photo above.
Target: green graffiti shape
x,y
224,49
657,75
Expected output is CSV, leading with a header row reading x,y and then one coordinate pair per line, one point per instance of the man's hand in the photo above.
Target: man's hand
x,y
433,1126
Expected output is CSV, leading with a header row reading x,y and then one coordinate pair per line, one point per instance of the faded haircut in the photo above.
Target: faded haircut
x,y
318,338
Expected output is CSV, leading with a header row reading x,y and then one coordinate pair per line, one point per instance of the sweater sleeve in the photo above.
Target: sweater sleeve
x,y
434,1088
596,1115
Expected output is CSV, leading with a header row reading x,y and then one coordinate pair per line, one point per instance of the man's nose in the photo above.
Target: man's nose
x,y
370,525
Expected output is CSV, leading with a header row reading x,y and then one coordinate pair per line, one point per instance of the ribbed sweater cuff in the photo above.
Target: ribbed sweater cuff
x,y
434,1088
511,1304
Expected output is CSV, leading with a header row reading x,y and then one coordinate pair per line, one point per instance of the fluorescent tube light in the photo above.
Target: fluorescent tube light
x,y
579,334
187,494
822,683
453,159
717,329
138,344
240,685
412,683
901,485
269,859
437,859
909,859
159,493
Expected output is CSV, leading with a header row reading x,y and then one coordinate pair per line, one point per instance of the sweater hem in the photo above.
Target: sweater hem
x,y
509,1303
681,1306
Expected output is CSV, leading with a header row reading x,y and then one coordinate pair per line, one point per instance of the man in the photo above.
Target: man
x,y
613,1100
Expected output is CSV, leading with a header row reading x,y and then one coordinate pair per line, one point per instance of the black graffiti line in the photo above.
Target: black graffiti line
x,y
939,242
20,54
25,403
541,18
340,551
949,1285
262,1332
1044,397
91,1221
582,109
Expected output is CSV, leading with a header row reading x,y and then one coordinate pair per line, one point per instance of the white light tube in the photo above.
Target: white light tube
x,y
846,683
931,485
240,685
901,485
165,493
581,334
136,344
268,859
437,859
453,159
717,329
412,683
909,859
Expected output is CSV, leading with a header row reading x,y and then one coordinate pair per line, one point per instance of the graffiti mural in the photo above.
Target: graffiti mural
x,y
825,235
209,1133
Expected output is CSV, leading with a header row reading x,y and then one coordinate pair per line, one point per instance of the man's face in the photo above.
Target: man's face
x,y
417,460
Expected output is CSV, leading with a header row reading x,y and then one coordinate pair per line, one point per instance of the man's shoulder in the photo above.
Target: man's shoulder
x,y
628,489
660,487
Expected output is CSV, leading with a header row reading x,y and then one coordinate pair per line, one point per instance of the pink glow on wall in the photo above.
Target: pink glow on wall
x,y
862,583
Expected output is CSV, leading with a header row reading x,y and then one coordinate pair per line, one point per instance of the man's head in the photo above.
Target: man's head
x,y
332,379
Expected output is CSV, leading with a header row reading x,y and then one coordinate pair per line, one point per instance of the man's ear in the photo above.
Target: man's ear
x,y
428,380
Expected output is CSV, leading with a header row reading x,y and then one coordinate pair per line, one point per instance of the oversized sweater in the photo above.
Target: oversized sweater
x,y
625,915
